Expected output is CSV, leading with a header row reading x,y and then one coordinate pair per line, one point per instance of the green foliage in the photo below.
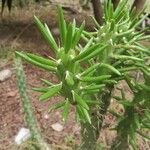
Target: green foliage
x,y
88,72
66,66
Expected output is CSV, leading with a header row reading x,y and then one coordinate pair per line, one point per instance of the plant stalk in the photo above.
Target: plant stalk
x,y
91,132
37,140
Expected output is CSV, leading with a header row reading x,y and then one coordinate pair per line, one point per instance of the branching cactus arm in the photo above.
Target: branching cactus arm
x,y
37,140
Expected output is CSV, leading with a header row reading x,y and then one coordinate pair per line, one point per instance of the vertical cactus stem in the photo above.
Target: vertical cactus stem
x,y
38,142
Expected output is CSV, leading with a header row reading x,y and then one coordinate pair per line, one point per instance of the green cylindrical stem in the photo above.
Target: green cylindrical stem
x,y
27,108
91,132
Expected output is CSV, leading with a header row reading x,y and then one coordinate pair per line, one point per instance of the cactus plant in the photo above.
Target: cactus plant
x,y
37,141
88,73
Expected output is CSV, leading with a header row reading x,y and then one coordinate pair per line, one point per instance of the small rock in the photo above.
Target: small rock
x,y
23,135
12,93
57,127
5,74
46,116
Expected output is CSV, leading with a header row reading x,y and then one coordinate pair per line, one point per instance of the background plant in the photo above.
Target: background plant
x,y
22,3
37,141
89,73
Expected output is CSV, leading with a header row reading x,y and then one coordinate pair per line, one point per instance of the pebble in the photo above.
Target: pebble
x,y
5,74
57,127
22,136
12,93
46,116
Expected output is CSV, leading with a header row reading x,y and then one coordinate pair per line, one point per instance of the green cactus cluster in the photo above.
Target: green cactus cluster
x,y
89,65
76,81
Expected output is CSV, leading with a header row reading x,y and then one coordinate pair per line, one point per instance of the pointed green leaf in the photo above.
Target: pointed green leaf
x,y
50,34
111,68
85,113
62,25
95,22
124,57
139,21
90,69
146,125
89,43
77,35
110,81
87,52
120,7
89,92
66,110
46,34
56,106
137,47
92,79
93,87
92,102
106,10
145,87
51,92
80,114
110,9
47,82
42,60
126,69
123,34
144,37
35,62
68,41
73,27
80,101
96,52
